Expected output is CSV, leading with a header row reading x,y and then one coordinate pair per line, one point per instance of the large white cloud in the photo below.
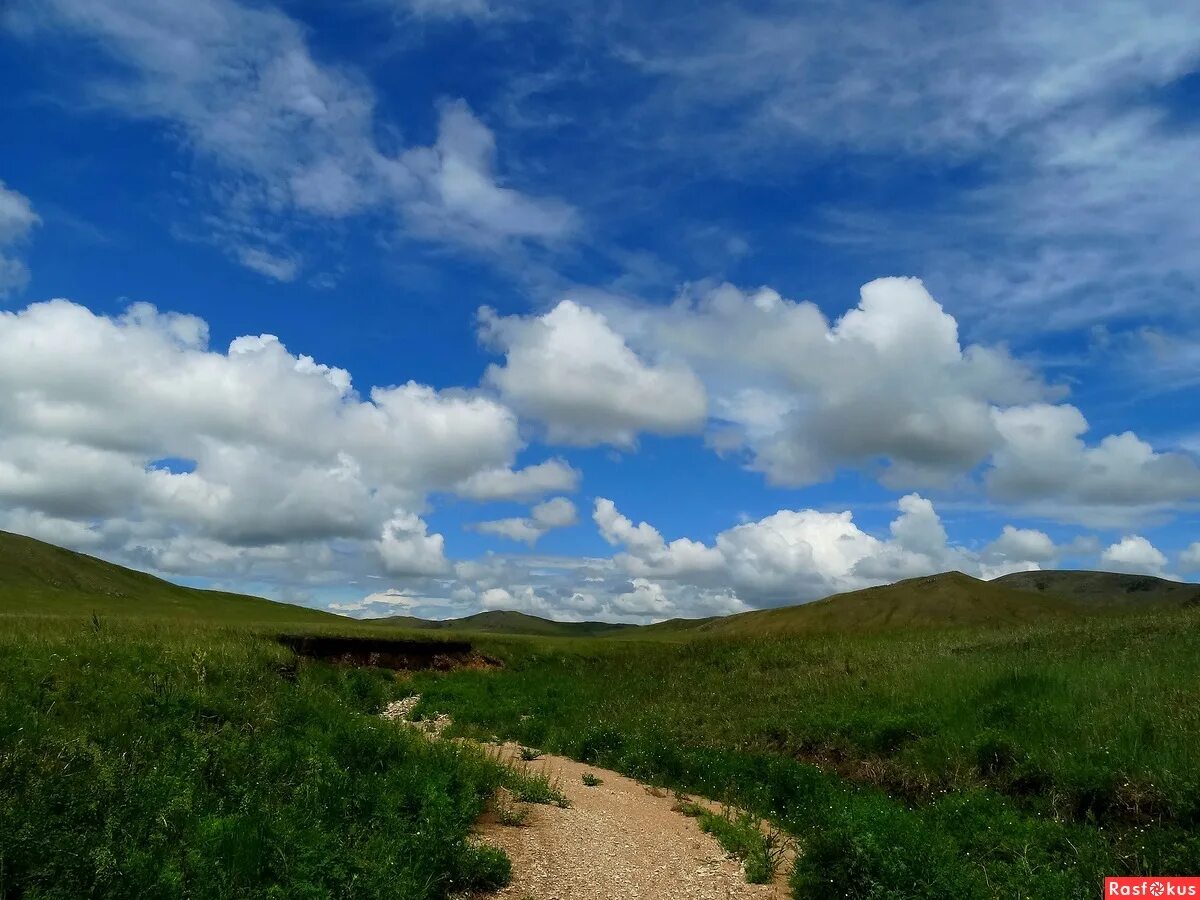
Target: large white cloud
x,y
1189,559
889,388
287,133
134,423
793,556
1134,554
17,221
887,384
1044,462
569,370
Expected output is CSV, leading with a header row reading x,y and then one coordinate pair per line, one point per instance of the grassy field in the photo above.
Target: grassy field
x,y
1020,762
152,760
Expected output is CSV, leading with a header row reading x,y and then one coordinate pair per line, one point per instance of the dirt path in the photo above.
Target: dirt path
x,y
617,841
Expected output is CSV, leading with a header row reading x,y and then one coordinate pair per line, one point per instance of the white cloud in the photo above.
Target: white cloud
x,y
569,370
461,197
888,388
1023,550
1023,545
407,548
523,484
191,457
1044,463
280,268
1134,554
888,383
558,512
790,556
390,602
17,221
241,89
648,553
1189,559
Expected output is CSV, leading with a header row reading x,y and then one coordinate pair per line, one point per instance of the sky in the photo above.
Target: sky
x,y
600,310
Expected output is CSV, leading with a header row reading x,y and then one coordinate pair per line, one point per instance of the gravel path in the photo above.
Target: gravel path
x,y
618,841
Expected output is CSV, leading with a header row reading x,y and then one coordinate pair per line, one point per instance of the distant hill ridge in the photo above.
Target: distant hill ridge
x,y
507,622
40,578
1106,589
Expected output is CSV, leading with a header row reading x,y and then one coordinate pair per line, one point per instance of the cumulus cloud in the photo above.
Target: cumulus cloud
x,y
558,512
793,556
1018,550
1044,462
191,456
886,384
287,133
889,388
1189,559
1136,555
547,477
570,371
407,548
17,221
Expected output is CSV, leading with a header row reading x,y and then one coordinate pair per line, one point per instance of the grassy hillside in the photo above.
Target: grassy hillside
x,y
951,599
1105,589
41,579
506,622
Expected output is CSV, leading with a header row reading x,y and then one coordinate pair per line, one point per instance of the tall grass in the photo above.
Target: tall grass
x,y
155,761
1027,762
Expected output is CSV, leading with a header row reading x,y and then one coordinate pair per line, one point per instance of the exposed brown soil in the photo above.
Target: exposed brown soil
x,y
619,840
388,653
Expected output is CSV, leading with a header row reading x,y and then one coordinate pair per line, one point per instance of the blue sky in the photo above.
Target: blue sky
x,y
567,305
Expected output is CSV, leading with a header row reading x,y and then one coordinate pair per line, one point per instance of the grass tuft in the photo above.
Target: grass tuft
x,y
534,787
741,835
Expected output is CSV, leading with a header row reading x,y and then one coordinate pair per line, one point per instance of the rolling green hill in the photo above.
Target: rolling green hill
x,y
37,578
1105,589
951,599
507,622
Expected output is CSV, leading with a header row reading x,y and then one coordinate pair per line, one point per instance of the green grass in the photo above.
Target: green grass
x,y
160,761
949,600
741,835
939,737
534,787
1023,762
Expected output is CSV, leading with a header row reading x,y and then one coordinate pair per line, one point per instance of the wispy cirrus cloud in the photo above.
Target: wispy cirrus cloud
x,y
292,139
17,221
